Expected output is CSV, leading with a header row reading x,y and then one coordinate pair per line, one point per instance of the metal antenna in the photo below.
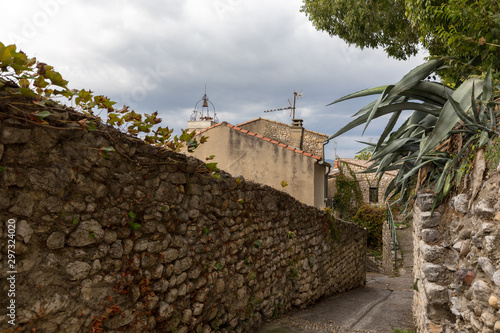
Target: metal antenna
x,y
291,107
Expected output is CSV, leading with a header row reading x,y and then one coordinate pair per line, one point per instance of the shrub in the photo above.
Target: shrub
x,y
372,218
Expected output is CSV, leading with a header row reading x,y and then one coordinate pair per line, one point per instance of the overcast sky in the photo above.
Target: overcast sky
x,y
159,55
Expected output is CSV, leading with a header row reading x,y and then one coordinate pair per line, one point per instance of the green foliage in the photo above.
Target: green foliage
x,y
21,76
348,197
332,230
206,230
372,218
466,32
363,156
369,24
492,154
219,266
257,244
133,225
431,147
105,151
402,330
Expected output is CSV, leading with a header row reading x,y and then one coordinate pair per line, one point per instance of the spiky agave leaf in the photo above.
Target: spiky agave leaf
x,y
437,112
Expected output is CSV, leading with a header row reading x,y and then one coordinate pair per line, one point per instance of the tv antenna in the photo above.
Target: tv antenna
x,y
296,94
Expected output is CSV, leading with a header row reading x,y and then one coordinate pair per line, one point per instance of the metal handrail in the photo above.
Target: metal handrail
x,y
390,220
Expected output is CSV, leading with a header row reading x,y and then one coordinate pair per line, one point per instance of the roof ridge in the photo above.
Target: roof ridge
x,y
278,122
206,129
281,144
364,164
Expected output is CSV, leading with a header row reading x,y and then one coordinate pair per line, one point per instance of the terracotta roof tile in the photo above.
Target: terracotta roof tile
x,y
280,123
206,129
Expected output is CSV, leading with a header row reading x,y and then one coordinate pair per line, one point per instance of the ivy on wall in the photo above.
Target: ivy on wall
x,y
348,198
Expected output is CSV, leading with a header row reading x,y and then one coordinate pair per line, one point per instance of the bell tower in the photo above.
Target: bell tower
x,y
205,118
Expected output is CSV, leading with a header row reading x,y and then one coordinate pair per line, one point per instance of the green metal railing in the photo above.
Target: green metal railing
x,y
390,220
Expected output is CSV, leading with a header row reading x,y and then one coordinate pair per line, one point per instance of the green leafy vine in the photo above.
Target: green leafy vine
x,y
349,196
27,81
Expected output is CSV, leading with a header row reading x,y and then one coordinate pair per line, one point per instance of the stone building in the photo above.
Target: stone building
x,y
294,135
287,158
372,189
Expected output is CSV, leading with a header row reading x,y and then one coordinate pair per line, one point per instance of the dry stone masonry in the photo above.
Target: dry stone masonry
x,y
457,259
144,240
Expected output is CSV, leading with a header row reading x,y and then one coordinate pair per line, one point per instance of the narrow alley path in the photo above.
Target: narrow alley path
x,y
379,307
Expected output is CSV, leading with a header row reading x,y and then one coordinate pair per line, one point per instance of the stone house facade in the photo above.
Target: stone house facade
x,y
275,161
295,136
372,189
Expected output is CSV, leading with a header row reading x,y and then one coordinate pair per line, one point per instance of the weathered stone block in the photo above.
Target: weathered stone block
x,y
78,270
484,209
12,135
177,178
56,240
430,235
24,230
486,266
86,233
116,250
433,272
480,290
169,255
460,203
23,205
428,220
436,294
425,201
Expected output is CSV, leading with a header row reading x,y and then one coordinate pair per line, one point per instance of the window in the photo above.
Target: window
x,y
373,194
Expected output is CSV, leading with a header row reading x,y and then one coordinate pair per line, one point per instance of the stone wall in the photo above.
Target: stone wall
x,y
144,240
312,142
457,259
366,181
388,256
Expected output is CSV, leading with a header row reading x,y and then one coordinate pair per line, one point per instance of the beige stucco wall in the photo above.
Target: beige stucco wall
x,y
265,162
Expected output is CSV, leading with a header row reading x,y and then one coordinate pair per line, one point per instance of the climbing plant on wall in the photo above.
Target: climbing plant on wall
x,y
28,82
348,197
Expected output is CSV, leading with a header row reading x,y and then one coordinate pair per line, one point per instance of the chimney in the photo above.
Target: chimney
x,y
297,134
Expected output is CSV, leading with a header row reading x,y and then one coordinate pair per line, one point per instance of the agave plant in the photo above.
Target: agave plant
x,y
433,147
